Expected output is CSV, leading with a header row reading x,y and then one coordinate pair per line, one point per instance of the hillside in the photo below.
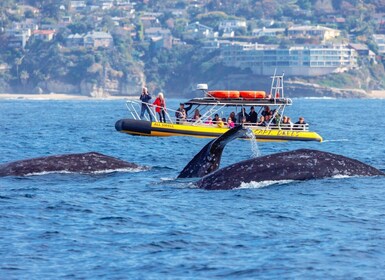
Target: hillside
x,y
101,48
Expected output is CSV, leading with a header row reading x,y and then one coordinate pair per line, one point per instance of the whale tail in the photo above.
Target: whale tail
x,y
209,158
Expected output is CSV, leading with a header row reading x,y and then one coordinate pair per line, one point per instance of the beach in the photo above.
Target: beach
x,y
59,96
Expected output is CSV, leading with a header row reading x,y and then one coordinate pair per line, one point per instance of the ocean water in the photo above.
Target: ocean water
x,y
147,225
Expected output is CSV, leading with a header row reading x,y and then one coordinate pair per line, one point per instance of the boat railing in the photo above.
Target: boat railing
x,y
135,106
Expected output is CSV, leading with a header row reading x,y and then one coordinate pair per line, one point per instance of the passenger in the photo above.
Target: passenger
x,y
220,123
261,121
290,122
209,121
216,119
286,123
187,109
180,114
196,116
242,114
267,119
160,107
224,121
253,116
230,123
267,111
145,96
233,118
276,117
301,124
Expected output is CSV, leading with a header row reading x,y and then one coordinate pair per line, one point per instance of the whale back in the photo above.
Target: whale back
x,y
79,163
303,164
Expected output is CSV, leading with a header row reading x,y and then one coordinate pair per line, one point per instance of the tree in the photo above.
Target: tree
x,y
24,76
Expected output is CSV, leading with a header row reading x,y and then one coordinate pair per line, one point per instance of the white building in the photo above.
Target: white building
x,y
308,31
311,60
232,25
380,41
270,32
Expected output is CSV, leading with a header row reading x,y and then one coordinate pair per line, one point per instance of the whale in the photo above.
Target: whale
x,y
85,163
302,164
209,158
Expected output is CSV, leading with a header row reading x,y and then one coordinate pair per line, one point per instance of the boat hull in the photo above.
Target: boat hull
x,y
147,128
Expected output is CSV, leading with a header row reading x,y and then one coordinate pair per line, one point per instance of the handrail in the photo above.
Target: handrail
x,y
134,108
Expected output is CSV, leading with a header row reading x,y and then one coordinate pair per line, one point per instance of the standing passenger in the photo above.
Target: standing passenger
x,y
242,114
253,116
145,97
160,107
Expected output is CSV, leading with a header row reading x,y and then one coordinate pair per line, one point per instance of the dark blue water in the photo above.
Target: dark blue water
x,y
146,225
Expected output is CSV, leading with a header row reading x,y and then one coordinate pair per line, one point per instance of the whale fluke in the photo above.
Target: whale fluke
x,y
303,164
78,163
209,158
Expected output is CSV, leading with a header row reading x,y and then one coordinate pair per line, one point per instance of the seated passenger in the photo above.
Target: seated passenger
x,y
230,123
196,116
220,123
301,124
261,121
209,121
242,114
266,111
216,119
267,119
180,114
286,123
253,116
232,116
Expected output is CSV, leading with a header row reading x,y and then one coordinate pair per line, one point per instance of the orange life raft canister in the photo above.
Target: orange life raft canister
x,y
252,94
224,93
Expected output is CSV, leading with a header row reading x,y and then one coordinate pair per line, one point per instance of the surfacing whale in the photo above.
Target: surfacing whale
x,y
303,164
209,158
74,163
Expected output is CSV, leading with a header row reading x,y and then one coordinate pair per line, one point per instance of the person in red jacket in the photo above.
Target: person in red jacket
x,y
160,107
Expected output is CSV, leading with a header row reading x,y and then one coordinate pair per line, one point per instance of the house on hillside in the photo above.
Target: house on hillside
x,y
98,39
162,37
17,38
232,25
194,31
363,51
380,41
269,32
308,31
44,35
77,5
75,40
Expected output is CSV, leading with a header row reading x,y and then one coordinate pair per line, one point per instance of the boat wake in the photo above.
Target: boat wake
x,y
336,140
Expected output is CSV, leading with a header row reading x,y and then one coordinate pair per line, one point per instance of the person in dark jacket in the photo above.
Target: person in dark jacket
x,y
300,125
180,114
253,116
242,114
145,97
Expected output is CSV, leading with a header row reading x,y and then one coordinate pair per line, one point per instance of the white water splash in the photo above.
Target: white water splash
x,y
255,151
106,171
259,185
